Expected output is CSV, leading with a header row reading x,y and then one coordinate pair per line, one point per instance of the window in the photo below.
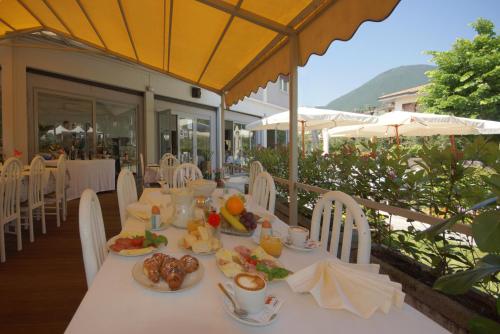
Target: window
x,y
65,123
283,83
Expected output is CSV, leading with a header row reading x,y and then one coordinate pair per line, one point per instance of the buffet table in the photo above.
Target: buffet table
x,y
115,303
98,175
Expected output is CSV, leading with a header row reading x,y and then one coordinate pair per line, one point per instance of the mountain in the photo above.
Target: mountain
x,y
393,80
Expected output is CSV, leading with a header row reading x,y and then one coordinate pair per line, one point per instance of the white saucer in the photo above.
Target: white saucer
x,y
228,307
301,249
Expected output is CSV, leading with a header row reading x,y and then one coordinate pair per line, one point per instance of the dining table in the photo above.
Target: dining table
x,y
116,303
97,174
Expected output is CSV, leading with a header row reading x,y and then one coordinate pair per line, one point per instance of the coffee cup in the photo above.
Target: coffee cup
x,y
249,291
298,235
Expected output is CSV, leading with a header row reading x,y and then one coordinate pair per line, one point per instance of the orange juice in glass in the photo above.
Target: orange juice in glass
x,y
272,245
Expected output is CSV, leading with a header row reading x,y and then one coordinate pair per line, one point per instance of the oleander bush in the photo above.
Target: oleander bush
x,y
427,177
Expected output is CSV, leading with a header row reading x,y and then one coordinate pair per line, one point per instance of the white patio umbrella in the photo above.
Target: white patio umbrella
x,y
310,119
404,123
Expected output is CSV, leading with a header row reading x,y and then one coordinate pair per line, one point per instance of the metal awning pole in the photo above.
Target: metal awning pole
x,y
292,145
221,134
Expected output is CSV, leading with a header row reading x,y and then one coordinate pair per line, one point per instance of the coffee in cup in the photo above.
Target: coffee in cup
x,y
298,235
249,290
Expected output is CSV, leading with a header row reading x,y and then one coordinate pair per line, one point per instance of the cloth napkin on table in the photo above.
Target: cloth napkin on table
x,y
358,288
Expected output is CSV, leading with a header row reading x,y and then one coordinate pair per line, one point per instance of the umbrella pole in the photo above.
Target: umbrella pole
x,y
453,145
303,141
397,135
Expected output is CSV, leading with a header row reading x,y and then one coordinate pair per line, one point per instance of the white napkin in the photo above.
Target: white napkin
x,y
142,211
358,288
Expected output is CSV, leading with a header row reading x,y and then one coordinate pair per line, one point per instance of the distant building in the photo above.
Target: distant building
x,y
405,100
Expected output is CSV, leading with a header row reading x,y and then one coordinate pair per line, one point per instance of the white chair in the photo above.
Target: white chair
x,y
184,173
36,194
255,169
330,230
126,191
57,200
92,235
167,155
264,191
10,206
168,164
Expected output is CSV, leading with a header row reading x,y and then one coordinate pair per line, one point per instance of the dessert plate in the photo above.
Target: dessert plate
x,y
132,252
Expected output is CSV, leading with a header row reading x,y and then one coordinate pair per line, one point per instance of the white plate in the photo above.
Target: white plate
x,y
112,241
189,281
302,249
228,307
190,251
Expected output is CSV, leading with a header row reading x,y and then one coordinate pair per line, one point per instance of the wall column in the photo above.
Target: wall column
x,y
221,150
7,86
150,151
326,142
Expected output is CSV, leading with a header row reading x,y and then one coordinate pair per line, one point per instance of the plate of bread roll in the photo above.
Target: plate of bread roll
x,y
166,273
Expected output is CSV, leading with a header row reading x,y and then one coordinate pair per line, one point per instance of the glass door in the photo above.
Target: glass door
x,y
186,139
204,152
116,133
167,133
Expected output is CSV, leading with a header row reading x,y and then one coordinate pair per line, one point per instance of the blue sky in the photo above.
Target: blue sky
x,y
413,27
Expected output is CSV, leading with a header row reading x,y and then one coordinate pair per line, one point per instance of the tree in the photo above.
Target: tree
x,y
466,81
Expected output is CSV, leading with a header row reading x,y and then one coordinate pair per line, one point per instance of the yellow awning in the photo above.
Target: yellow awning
x,y
230,46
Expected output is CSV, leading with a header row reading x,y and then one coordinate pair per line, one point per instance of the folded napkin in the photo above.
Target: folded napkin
x,y
142,211
358,288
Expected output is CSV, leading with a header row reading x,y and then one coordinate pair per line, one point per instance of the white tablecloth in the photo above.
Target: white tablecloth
x,y
115,303
98,175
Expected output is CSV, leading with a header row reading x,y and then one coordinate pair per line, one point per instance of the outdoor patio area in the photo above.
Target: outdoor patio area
x,y
175,165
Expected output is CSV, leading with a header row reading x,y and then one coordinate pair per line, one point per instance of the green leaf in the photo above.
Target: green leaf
x,y
481,325
486,230
461,282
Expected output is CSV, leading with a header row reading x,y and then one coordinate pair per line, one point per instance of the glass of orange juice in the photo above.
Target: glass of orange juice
x,y
272,244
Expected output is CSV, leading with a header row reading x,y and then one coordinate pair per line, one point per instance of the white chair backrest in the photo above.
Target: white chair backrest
x,y
264,191
255,169
126,191
166,155
61,175
167,167
35,187
331,229
10,185
184,173
92,235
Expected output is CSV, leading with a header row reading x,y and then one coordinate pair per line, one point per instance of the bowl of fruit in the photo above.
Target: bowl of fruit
x,y
236,220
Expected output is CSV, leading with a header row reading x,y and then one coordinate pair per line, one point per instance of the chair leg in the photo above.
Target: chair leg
x,y
2,243
30,223
58,213
44,227
18,234
64,209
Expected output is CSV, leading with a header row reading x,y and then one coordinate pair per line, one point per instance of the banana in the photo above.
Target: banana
x,y
232,220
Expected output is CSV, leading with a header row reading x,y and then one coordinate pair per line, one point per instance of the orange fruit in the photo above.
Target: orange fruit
x,y
235,205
